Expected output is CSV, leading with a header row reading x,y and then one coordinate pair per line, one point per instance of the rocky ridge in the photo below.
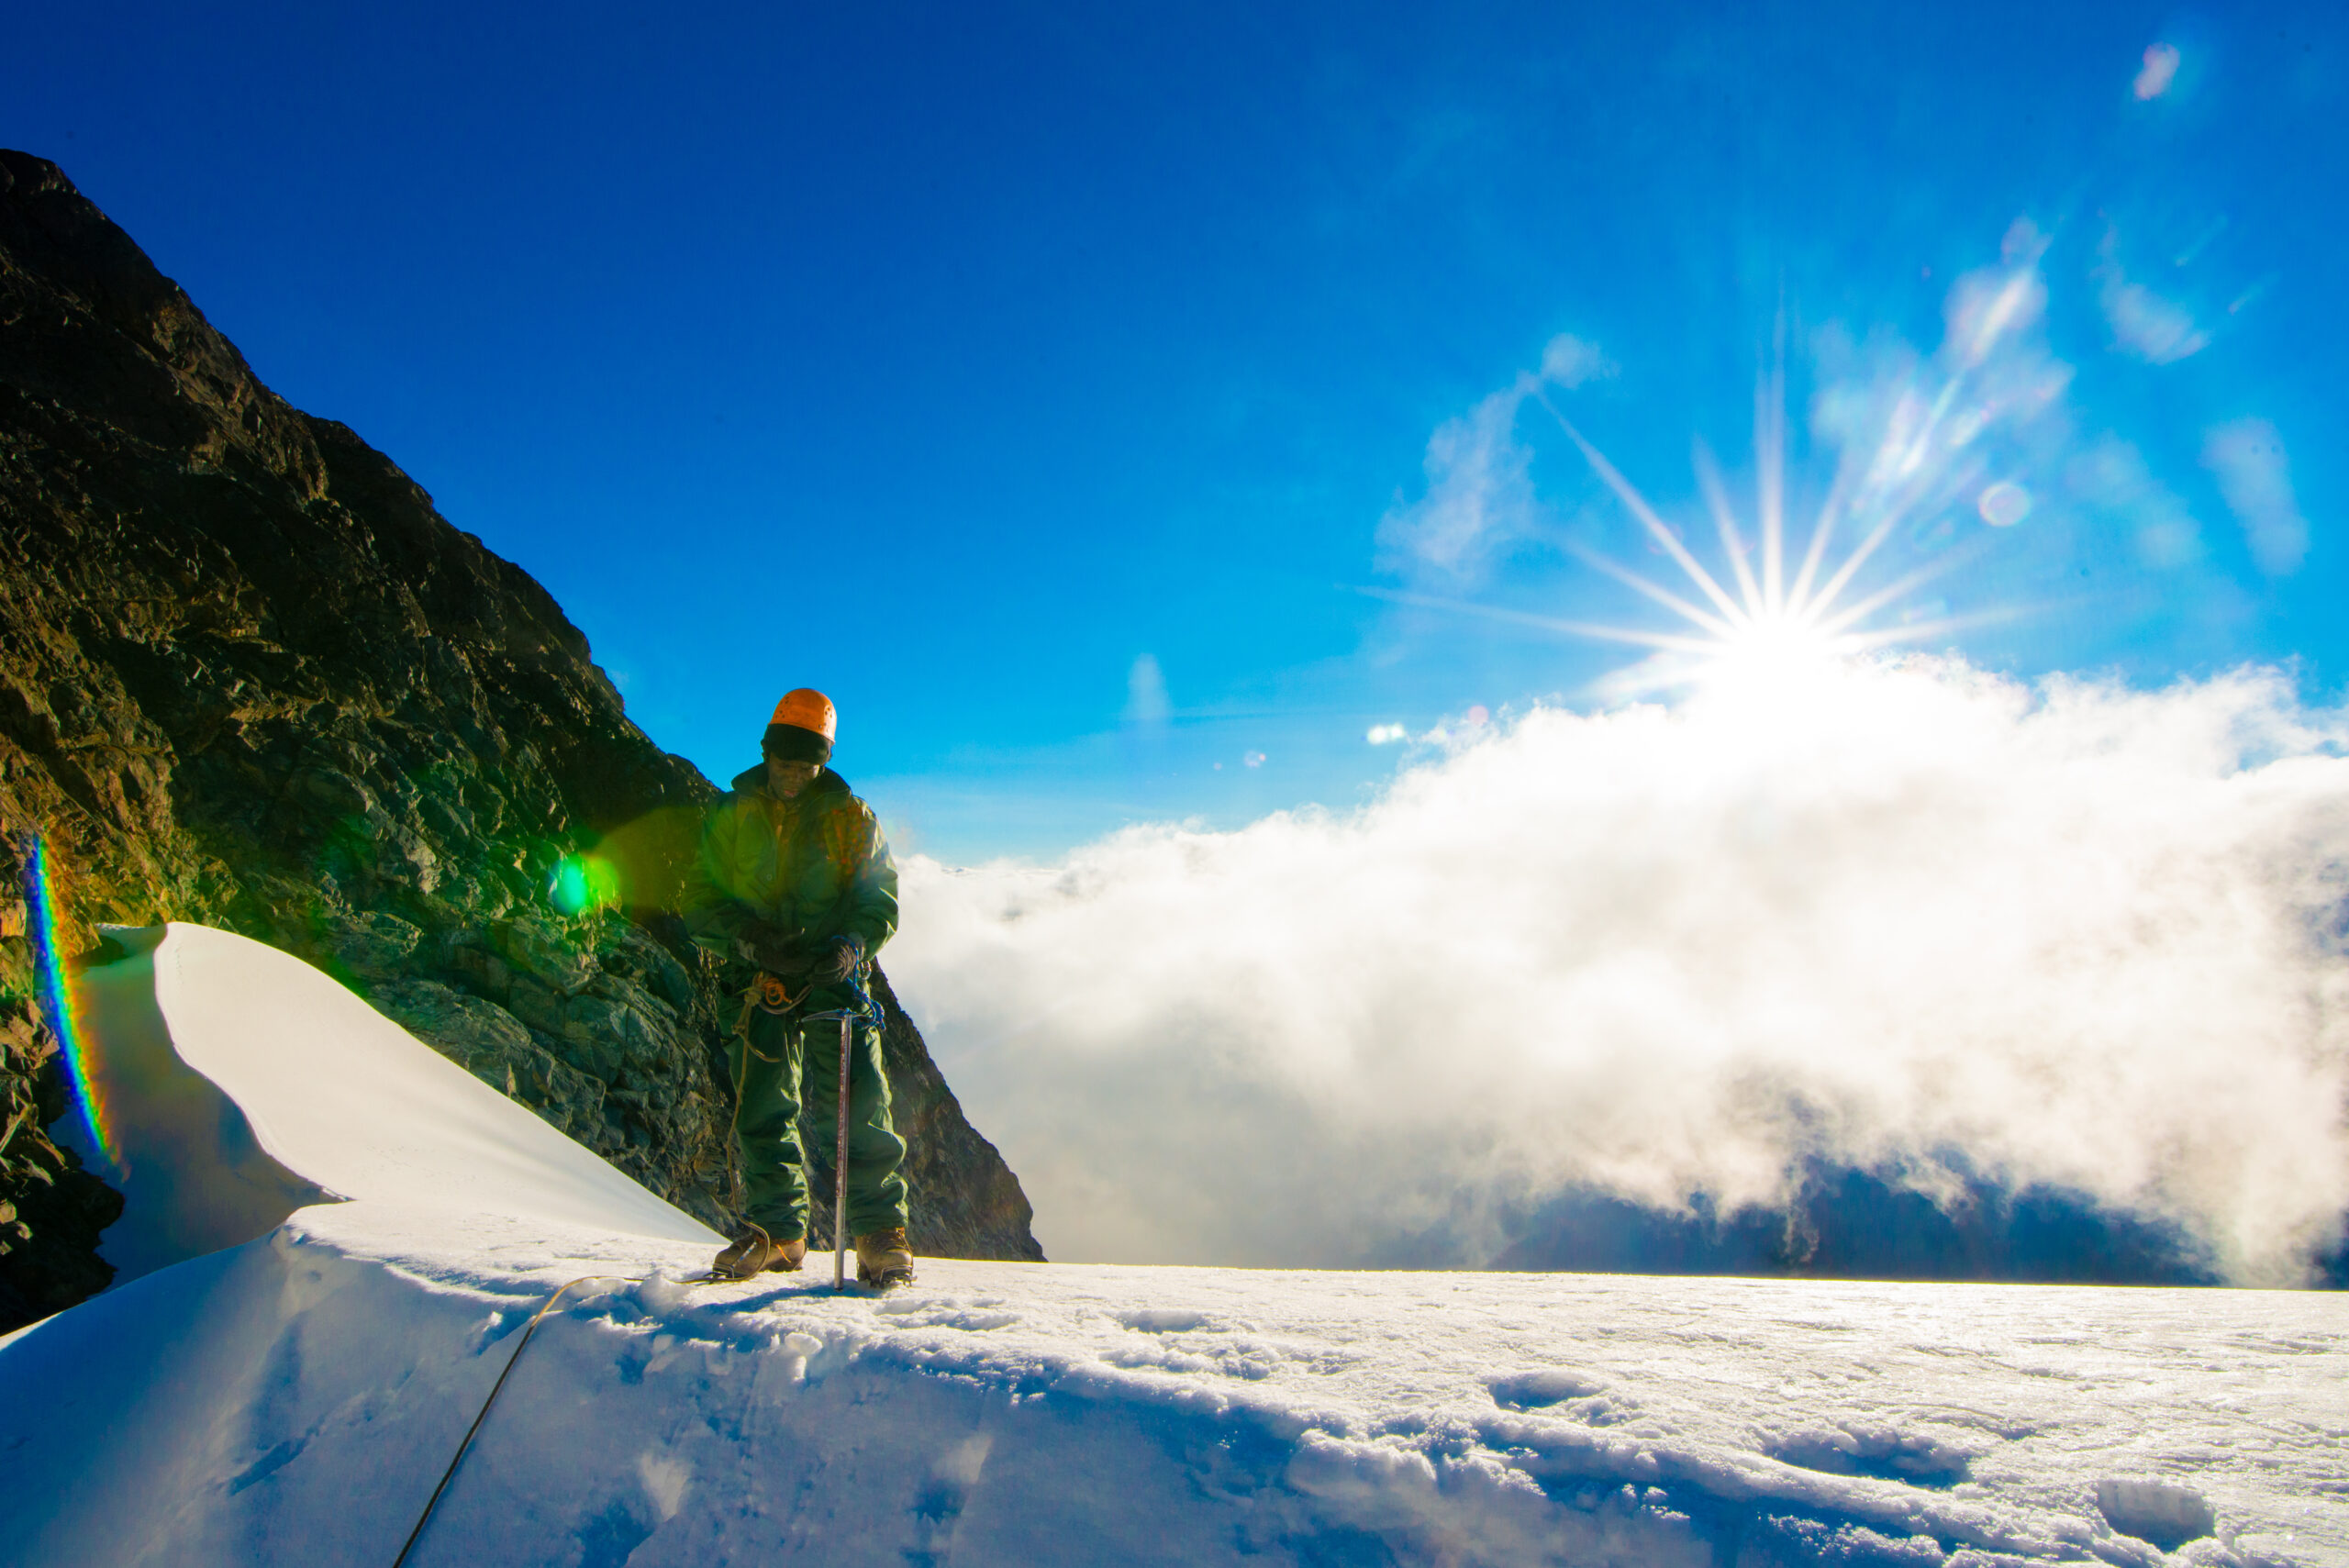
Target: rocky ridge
x,y
248,676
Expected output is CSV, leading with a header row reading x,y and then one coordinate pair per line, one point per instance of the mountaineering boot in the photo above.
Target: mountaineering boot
x,y
753,1251
884,1258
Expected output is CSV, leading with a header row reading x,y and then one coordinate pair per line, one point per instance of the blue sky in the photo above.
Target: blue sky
x,y
1048,387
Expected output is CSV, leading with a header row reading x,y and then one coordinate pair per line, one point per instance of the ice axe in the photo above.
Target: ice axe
x,y
847,1016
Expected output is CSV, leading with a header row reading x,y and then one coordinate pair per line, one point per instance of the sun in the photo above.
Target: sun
x,y
1774,616
1778,644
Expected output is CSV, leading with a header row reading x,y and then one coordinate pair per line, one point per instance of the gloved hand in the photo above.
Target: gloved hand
x,y
841,960
772,948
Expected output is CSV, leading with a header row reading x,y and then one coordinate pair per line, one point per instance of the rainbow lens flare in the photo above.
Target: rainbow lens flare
x,y
44,908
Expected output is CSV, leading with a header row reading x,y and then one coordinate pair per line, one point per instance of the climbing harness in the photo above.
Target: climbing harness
x,y
768,994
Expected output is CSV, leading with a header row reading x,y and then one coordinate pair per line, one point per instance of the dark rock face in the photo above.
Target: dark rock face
x,y
250,677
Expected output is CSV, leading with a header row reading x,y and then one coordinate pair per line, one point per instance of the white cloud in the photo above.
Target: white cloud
x,y
1993,305
1146,700
1569,361
2081,936
2112,476
1479,497
2256,476
1923,442
1987,423
2157,330
2160,69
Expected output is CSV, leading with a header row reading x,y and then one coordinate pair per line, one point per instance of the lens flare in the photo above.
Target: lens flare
x,y
2004,505
55,986
581,884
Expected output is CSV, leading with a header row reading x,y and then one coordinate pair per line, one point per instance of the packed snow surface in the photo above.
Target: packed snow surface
x,y
295,1398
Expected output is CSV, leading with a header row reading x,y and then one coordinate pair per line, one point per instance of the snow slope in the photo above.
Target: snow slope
x,y
295,1397
266,1064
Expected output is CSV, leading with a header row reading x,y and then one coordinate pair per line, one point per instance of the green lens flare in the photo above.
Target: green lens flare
x,y
584,884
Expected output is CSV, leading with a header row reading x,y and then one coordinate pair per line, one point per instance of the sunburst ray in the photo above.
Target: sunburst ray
x,y
1637,504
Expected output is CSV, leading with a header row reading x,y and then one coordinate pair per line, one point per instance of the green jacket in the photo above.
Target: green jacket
x,y
814,864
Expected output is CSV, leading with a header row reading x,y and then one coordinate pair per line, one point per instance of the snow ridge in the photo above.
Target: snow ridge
x,y
293,1398
1009,1413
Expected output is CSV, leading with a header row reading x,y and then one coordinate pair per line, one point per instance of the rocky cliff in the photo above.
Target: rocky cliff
x,y
248,676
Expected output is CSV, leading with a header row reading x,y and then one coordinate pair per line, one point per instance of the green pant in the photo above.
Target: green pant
x,y
786,1064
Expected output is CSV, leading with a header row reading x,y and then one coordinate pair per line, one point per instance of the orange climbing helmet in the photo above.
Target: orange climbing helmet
x,y
803,728
809,708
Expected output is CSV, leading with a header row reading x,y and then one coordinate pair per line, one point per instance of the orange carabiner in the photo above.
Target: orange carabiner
x,y
776,996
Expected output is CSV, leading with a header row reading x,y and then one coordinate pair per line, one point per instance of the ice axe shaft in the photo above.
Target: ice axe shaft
x,y
840,1175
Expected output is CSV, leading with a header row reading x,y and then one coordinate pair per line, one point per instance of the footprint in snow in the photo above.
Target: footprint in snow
x,y
1540,1390
2162,1512
1883,1454
1167,1321
935,1312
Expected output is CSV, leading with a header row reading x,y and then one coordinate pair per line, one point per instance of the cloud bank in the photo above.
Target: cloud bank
x,y
1907,916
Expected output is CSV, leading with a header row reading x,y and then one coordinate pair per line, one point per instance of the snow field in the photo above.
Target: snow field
x,y
295,1398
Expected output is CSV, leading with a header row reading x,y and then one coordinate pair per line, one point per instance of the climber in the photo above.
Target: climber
x,y
794,890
